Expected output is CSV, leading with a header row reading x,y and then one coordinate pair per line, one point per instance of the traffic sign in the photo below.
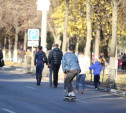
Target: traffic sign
x,y
33,34
33,43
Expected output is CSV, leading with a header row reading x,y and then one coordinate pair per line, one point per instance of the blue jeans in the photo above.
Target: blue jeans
x,y
50,76
82,78
39,69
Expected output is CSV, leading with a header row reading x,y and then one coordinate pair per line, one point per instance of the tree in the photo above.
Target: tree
x,y
89,28
113,64
65,27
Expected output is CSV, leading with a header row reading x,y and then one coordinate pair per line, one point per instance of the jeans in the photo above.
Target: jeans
x,y
39,69
50,76
82,78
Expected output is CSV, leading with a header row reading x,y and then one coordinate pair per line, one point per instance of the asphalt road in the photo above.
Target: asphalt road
x,y
19,94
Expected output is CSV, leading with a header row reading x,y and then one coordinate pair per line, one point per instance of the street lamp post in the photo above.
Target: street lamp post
x,y
43,5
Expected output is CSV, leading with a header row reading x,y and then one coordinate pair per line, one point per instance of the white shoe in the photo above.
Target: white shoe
x,y
65,90
96,88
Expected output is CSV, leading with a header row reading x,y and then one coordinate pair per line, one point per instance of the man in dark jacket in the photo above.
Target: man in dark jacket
x,y
54,59
40,59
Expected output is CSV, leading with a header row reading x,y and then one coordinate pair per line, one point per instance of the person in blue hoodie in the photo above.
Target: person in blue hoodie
x,y
40,59
97,68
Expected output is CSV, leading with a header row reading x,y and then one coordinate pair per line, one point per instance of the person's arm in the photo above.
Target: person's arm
x,y
45,59
35,59
63,63
92,67
101,68
50,57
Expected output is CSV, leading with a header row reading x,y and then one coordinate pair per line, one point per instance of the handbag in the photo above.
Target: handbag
x,y
2,63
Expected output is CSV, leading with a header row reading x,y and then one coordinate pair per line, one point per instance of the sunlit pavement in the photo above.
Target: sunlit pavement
x,y
19,94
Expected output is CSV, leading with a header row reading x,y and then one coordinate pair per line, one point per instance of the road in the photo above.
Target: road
x,y
19,94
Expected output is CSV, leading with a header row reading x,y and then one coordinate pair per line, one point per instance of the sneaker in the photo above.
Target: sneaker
x,y
65,90
38,84
82,92
96,88
55,86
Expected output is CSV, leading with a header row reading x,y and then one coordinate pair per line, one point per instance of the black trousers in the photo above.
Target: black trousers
x,y
55,69
96,80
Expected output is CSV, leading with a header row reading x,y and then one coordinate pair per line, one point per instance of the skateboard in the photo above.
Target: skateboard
x,y
70,99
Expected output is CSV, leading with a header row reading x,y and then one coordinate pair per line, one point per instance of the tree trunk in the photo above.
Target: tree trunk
x,y
15,57
89,29
9,53
97,42
77,45
105,47
25,40
53,32
4,50
65,27
113,60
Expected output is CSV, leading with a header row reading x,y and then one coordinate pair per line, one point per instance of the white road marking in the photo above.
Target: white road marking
x,y
30,87
9,111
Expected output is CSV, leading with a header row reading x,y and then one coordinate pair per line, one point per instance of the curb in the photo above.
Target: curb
x,y
113,91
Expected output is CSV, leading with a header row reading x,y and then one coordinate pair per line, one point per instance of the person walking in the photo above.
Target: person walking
x,y
54,59
1,57
50,69
97,69
84,63
40,59
71,68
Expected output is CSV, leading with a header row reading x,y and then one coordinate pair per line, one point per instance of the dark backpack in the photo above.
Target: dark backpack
x,y
2,63
42,57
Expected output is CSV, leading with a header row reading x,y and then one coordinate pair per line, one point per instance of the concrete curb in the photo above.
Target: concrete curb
x,y
113,91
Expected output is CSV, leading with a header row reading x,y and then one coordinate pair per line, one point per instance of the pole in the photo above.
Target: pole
x,y
44,30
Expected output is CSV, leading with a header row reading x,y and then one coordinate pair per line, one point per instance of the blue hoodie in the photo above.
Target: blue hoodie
x,y
40,58
96,67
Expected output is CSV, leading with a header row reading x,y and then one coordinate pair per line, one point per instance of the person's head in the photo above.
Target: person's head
x,y
95,59
72,47
53,46
40,47
56,45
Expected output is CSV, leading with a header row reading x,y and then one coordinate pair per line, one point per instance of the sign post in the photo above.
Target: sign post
x,y
33,40
43,5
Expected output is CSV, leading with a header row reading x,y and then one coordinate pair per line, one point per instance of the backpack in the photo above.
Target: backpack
x,y
2,63
41,58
